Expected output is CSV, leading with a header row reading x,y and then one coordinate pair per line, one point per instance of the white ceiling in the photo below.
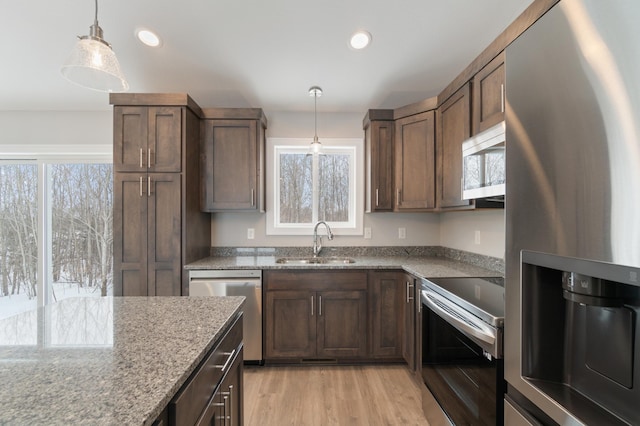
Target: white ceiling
x,y
251,53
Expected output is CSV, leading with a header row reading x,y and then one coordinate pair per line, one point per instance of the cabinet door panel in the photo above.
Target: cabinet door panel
x,y
130,139
381,172
164,230
342,323
231,165
488,95
291,324
164,148
130,245
453,128
415,162
387,293
408,347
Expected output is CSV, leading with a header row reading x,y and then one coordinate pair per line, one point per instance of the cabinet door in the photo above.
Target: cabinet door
x,y
379,151
488,95
290,324
408,347
342,323
163,234
230,165
387,297
453,126
130,245
415,162
164,142
130,133
147,139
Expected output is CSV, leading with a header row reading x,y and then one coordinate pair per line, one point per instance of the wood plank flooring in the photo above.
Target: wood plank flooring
x,y
331,395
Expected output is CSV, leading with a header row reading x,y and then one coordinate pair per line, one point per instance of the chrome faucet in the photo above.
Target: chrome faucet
x,y
317,244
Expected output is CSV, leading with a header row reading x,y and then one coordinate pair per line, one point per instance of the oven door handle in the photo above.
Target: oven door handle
x,y
458,317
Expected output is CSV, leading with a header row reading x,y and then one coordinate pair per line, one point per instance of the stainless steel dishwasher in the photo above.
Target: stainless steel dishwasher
x,y
247,283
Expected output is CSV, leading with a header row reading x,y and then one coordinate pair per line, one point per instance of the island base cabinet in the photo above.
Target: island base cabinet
x,y
213,393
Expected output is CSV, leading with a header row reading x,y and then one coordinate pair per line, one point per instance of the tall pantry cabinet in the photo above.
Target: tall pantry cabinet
x,y
158,226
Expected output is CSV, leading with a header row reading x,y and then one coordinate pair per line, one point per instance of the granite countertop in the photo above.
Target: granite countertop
x,y
107,360
419,266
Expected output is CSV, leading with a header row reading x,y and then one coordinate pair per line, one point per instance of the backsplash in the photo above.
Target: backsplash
x,y
487,262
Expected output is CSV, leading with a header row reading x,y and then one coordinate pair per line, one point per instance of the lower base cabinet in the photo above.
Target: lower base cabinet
x,y
312,315
213,393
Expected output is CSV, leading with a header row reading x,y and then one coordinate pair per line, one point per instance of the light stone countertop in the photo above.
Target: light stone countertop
x,y
420,266
107,360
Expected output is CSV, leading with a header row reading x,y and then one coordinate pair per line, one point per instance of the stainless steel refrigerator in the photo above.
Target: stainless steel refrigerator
x,y
572,328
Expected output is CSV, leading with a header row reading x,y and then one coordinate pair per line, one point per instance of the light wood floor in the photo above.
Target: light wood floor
x,y
331,395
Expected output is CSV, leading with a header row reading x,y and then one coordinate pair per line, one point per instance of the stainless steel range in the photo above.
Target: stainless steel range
x,y
462,328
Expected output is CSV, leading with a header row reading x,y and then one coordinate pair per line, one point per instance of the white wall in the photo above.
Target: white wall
x,y
454,229
458,231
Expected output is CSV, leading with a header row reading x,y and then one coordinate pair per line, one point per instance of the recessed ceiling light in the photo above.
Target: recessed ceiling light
x,y
360,40
148,37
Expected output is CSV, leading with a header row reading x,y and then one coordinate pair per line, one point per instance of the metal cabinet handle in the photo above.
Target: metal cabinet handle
x,y
141,158
226,364
320,305
141,186
253,197
230,404
502,97
311,305
377,198
149,158
224,410
409,286
148,186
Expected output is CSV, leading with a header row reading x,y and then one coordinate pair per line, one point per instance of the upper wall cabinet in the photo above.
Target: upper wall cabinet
x,y
415,162
453,126
146,139
378,135
489,95
232,160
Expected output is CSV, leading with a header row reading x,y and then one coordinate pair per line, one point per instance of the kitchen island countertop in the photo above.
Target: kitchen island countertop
x,y
106,360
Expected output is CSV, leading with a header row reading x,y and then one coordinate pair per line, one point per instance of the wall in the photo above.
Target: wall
x,y
455,229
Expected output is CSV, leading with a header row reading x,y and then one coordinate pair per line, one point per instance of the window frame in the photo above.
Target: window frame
x,y
355,146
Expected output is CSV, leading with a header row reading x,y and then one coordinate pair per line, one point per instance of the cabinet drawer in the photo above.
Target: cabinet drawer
x,y
192,399
317,280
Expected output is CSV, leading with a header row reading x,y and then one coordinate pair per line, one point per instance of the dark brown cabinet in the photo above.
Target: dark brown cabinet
x,y
415,162
232,160
158,225
213,394
489,95
453,126
145,139
409,340
315,315
379,153
386,303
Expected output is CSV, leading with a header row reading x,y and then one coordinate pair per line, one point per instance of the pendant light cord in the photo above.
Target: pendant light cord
x,y
315,113
95,20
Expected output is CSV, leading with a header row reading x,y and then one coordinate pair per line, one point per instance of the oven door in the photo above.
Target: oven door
x,y
466,381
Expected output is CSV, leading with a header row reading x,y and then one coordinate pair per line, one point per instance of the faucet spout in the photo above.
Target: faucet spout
x,y
317,242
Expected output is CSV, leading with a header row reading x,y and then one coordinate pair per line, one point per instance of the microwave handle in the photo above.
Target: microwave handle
x,y
457,317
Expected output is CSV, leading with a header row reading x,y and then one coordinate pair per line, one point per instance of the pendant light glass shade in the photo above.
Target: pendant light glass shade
x,y
315,146
93,64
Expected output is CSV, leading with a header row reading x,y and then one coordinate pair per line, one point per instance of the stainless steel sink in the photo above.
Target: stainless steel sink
x,y
315,260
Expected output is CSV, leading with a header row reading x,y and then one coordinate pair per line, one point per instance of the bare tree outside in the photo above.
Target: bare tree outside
x,y
296,188
333,175
81,256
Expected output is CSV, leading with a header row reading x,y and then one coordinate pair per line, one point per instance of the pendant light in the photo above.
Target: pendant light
x,y
315,147
93,64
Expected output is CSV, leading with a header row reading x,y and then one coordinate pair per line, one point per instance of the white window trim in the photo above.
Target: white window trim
x,y
357,189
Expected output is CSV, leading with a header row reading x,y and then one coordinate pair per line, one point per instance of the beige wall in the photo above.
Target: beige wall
x,y
455,229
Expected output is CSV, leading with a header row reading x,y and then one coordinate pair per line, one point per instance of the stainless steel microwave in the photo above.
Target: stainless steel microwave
x,y
483,164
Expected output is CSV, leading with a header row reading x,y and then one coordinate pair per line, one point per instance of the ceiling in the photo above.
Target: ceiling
x,y
251,53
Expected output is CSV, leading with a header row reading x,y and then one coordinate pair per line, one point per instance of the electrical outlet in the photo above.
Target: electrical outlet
x,y
367,233
251,233
402,233
477,237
